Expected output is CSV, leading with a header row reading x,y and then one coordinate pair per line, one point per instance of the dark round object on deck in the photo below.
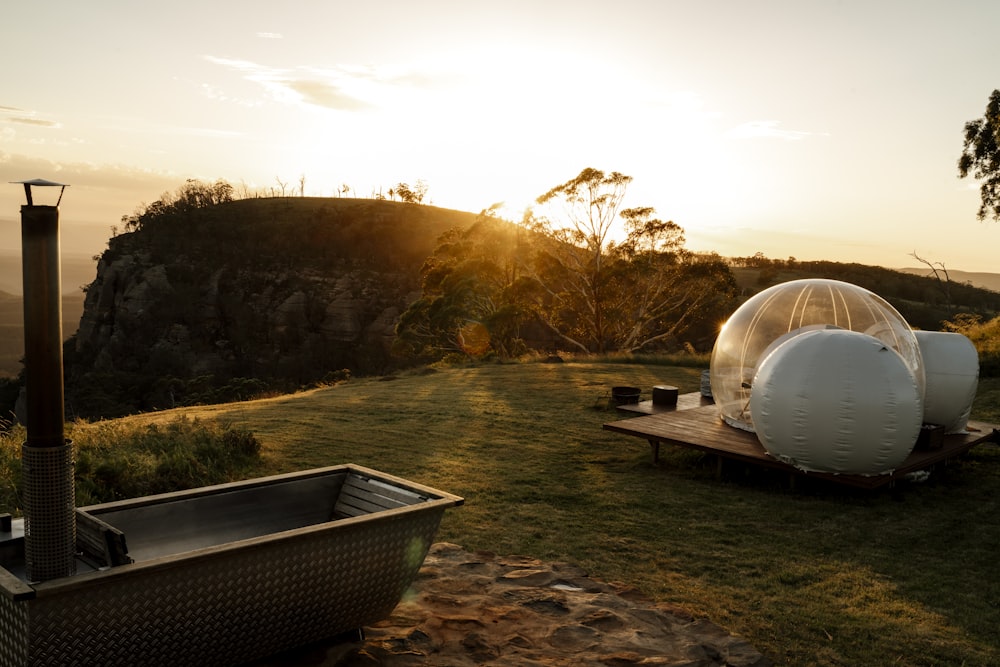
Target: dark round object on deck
x,y
664,395
625,395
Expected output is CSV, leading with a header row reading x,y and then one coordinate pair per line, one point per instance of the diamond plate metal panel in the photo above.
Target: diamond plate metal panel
x,y
226,605
49,519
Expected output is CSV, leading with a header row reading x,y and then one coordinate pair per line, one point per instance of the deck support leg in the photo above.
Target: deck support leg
x,y
655,445
718,468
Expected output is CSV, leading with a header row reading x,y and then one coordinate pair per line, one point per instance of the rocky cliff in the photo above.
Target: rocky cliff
x,y
213,302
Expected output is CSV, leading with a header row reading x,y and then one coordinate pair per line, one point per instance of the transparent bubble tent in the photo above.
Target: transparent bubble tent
x,y
828,375
784,311
826,378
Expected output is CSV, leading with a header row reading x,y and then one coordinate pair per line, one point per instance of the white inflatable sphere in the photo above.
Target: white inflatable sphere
x,y
836,401
786,311
951,368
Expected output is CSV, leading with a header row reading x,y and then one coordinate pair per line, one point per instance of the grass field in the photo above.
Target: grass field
x,y
815,576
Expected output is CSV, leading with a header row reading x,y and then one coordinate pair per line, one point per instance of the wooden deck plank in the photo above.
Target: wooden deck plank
x,y
701,428
684,402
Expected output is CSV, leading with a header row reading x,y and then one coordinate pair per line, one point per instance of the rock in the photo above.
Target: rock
x,y
341,321
242,317
481,609
291,312
283,291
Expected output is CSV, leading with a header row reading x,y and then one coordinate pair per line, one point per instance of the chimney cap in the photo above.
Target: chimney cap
x,y
40,182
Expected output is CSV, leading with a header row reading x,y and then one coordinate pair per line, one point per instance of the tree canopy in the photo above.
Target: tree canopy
x,y
193,196
562,281
600,294
981,157
469,303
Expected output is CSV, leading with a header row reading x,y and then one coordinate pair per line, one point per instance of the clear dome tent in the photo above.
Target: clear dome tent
x,y
780,313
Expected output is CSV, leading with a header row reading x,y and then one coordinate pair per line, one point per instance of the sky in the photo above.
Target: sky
x,y
819,129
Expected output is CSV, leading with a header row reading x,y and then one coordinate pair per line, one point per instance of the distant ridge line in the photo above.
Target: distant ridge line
x,y
982,279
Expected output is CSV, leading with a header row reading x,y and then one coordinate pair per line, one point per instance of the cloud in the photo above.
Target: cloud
x,y
251,68
35,121
99,192
14,166
270,35
768,129
27,118
350,88
328,95
135,125
199,131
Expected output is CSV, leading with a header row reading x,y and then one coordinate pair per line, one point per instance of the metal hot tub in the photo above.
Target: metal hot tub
x,y
224,574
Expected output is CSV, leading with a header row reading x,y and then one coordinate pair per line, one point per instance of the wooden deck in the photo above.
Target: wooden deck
x,y
684,402
701,428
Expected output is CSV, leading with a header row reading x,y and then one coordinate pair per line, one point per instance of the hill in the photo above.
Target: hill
x,y
924,301
209,302
201,302
990,281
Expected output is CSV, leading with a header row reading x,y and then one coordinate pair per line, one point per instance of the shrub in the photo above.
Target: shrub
x,y
116,460
984,335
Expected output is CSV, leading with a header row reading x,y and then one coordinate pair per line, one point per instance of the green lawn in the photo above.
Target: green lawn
x,y
817,575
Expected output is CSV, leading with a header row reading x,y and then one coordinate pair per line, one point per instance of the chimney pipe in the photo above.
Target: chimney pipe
x,y
47,457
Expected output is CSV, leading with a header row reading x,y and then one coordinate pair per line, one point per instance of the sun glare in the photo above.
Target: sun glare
x,y
503,124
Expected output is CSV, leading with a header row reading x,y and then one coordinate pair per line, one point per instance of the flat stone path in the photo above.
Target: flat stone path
x,y
469,609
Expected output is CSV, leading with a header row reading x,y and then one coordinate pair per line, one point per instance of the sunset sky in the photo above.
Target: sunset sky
x,y
814,129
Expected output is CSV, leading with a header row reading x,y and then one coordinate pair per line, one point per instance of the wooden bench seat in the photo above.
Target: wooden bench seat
x,y
363,495
102,544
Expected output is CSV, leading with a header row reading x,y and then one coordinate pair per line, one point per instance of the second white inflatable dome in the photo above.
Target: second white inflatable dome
x,y
836,401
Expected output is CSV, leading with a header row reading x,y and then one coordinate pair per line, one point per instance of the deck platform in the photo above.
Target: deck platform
x,y
701,428
684,402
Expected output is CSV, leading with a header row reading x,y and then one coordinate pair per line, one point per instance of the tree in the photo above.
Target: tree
x,y
411,195
981,157
642,292
938,269
420,190
282,184
664,291
191,197
499,288
469,302
405,193
572,269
